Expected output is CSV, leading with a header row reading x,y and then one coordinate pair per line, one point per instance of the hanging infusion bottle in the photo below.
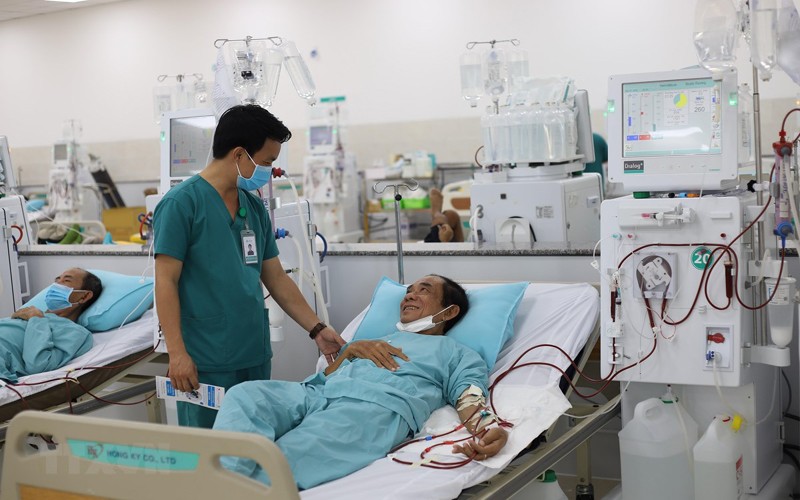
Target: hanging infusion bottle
x,y
298,72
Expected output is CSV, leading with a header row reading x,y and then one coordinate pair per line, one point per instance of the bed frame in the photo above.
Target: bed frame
x,y
103,458
53,398
210,480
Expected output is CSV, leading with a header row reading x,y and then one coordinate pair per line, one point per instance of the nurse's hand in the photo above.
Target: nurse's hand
x,y
329,343
487,446
183,372
27,313
379,352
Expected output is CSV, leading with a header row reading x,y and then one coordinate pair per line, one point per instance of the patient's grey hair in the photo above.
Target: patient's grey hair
x,y
454,294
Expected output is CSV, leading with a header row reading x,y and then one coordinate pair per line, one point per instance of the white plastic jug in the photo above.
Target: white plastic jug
x,y
718,461
655,448
545,487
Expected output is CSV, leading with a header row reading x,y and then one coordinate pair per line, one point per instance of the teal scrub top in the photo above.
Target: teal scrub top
x,y
223,319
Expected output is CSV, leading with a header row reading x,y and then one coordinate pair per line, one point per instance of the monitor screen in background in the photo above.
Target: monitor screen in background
x,y
190,144
320,135
671,118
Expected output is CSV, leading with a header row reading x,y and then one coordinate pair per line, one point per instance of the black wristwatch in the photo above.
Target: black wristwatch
x,y
317,328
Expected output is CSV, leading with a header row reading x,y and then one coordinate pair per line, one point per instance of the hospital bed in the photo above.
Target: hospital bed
x,y
565,314
118,351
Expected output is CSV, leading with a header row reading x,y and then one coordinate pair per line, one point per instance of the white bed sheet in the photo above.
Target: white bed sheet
x,y
108,347
550,313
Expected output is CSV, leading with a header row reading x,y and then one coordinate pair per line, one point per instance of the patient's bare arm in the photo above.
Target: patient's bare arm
x,y
27,313
476,416
379,352
488,446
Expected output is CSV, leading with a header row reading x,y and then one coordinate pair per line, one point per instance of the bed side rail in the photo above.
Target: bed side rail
x,y
528,467
131,460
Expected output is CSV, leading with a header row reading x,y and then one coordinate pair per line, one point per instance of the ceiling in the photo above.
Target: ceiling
x,y
15,9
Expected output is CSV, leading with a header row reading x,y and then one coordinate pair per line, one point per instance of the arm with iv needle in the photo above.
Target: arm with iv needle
x,y
477,418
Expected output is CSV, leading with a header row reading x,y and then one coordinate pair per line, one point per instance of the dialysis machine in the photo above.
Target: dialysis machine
x,y
14,231
536,143
680,265
330,179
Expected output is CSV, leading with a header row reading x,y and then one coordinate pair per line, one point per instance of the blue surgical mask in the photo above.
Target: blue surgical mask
x,y
260,176
57,297
422,324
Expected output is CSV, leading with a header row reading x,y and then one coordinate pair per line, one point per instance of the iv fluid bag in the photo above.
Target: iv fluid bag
x,y
495,72
715,34
471,78
298,72
764,29
788,50
249,75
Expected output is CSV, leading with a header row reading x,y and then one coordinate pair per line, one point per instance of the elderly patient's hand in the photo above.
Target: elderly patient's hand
x,y
488,446
445,233
27,313
381,353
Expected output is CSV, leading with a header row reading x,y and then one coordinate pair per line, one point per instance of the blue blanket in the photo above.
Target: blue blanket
x,y
39,345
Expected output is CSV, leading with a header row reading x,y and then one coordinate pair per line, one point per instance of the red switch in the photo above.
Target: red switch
x,y
717,338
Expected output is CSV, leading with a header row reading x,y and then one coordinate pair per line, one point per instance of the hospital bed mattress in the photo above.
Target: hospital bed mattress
x,y
560,314
116,348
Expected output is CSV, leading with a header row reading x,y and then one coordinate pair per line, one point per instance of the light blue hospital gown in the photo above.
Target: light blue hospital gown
x,y
39,345
331,426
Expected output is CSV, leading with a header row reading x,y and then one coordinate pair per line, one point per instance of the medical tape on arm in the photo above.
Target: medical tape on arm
x,y
472,396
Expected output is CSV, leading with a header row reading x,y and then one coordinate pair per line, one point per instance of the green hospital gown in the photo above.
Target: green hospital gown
x,y
40,345
330,426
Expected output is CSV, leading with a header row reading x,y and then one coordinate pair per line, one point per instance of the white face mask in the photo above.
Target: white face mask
x,y
422,324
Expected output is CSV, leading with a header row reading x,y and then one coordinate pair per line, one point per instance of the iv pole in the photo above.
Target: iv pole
x,y
412,185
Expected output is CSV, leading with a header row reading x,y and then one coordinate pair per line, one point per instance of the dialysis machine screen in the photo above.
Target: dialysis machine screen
x,y
186,139
672,130
190,144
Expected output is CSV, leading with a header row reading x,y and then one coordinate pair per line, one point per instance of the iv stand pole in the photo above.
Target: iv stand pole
x,y
412,185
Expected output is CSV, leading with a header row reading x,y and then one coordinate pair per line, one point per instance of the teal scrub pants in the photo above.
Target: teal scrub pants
x,y
323,439
190,415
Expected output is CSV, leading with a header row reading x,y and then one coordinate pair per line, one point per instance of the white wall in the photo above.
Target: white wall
x,y
396,61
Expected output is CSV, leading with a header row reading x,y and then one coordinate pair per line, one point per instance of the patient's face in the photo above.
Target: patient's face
x,y
423,298
72,278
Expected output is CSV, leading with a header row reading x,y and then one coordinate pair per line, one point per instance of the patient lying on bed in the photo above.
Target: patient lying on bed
x,y
33,341
375,395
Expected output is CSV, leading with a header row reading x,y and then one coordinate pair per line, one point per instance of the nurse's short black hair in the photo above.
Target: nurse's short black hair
x,y
92,283
454,294
248,126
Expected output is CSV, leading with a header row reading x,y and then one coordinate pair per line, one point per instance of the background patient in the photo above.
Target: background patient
x,y
35,341
375,395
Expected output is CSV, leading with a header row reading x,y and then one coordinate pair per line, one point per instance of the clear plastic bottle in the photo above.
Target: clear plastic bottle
x,y
715,23
719,461
471,78
298,72
788,50
272,73
655,447
517,69
764,30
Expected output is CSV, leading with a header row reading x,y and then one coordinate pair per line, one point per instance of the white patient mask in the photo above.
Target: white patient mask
x,y
422,324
